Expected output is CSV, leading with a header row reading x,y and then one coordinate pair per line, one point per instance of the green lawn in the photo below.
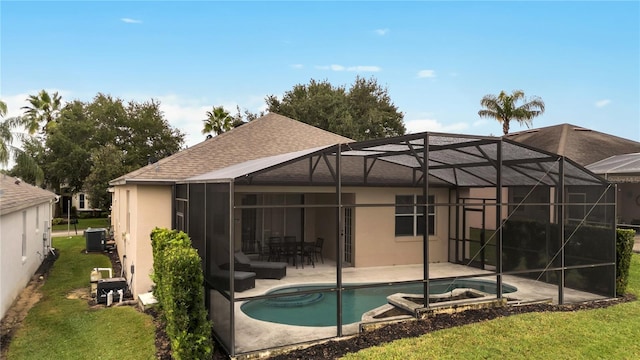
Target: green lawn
x,y
611,333
84,224
60,328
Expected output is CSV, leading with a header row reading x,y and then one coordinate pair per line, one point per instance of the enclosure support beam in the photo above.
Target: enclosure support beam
x,y
499,218
339,238
561,222
232,289
425,236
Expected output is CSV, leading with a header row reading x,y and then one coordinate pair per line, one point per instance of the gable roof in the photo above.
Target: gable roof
x,y
582,145
16,195
269,135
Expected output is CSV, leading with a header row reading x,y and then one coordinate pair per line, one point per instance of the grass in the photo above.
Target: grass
x,y
61,328
610,333
84,224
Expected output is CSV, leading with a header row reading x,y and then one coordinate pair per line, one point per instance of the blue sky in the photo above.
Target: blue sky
x,y
437,59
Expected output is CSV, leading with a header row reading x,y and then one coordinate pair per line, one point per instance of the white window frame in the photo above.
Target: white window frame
x,y
415,214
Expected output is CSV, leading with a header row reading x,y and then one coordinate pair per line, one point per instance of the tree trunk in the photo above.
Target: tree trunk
x,y
505,126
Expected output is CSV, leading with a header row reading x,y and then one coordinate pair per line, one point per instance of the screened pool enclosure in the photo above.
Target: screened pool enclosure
x,y
393,212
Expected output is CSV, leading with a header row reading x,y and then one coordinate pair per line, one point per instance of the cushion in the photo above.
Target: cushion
x,y
242,258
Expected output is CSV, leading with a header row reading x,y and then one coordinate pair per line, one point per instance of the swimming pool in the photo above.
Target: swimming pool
x,y
319,309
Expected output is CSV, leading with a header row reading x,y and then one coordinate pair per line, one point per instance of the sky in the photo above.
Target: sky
x,y
436,59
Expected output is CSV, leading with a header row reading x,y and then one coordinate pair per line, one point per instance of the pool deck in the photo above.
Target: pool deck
x,y
253,335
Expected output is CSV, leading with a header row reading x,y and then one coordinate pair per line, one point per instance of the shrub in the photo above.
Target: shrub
x,y
57,221
177,273
187,323
161,240
624,249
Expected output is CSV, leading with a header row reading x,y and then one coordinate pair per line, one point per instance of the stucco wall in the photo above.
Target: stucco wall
x,y
375,243
148,206
15,269
375,240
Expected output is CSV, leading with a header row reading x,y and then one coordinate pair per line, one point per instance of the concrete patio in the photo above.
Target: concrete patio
x,y
254,335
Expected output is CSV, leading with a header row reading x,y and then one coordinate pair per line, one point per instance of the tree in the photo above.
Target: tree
x,y
133,134
8,151
43,109
373,111
365,111
218,121
108,164
504,108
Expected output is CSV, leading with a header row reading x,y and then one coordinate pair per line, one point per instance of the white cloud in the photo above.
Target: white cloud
x,y
422,125
130,21
426,73
365,68
602,103
480,122
358,68
297,66
382,32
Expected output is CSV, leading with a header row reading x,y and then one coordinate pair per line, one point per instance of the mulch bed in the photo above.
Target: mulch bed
x,y
338,348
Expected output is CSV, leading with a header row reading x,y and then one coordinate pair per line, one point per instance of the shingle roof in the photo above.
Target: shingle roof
x,y
16,195
269,135
584,146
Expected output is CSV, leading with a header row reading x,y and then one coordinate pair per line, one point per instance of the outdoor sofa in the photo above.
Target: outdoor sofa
x,y
262,269
242,280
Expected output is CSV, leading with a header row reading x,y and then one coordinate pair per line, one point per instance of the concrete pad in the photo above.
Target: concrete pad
x,y
253,336
146,301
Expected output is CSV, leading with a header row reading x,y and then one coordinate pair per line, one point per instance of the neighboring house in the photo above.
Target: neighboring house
x,y
585,147
623,170
80,201
143,198
25,237
582,145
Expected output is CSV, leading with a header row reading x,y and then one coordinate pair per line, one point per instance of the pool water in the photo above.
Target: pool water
x,y
319,309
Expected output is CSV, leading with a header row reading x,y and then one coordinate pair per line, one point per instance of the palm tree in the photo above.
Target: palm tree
x,y
9,151
44,108
218,121
503,108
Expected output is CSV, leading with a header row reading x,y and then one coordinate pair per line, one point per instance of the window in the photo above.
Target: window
x,y
81,204
410,215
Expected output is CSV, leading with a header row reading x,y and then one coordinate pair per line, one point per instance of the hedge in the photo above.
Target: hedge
x,y
177,273
624,249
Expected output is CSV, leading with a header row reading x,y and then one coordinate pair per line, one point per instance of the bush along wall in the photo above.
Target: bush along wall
x,y
624,249
177,273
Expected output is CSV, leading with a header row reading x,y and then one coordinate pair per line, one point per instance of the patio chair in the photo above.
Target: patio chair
x,y
317,249
242,280
274,248
262,269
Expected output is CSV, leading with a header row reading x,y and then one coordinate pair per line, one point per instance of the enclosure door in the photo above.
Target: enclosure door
x,y
473,237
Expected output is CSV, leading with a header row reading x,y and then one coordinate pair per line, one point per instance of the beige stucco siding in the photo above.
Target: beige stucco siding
x,y
375,240
375,243
136,211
